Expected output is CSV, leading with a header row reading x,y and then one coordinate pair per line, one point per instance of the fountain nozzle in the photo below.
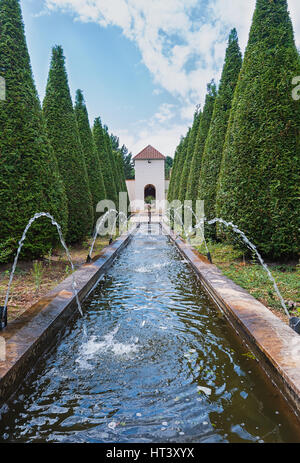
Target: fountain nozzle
x,y
110,241
3,317
88,259
209,257
295,324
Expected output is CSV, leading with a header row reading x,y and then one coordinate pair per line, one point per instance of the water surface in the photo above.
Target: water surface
x,y
152,360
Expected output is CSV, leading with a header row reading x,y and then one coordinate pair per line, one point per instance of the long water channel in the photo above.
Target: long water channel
x,y
152,360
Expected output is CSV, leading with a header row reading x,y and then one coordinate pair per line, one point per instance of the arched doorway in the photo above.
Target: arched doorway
x,y
149,193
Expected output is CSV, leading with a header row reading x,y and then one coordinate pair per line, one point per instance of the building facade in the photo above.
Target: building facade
x,y
150,183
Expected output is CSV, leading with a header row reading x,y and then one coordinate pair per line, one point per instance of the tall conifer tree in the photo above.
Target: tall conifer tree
x,y
113,165
174,171
64,136
212,156
260,166
29,175
181,160
92,160
189,157
193,181
101,145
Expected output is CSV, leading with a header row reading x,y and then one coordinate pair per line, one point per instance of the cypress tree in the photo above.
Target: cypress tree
x,y
212,155
92,160
120,161
64,136
181,160
260,166
100,141
193,181
29,176
189,157
113,165
174,170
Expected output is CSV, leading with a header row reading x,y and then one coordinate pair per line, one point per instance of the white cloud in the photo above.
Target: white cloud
x,y
169,34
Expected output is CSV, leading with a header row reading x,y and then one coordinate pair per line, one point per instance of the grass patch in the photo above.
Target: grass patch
x,y
251,276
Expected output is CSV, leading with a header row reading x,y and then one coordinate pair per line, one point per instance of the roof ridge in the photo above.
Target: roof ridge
x,y
149,152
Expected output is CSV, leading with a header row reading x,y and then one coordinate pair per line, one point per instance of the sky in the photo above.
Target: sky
x,y
143,65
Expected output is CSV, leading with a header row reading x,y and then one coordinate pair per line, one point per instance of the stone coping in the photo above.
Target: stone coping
x,y
28,337
275,344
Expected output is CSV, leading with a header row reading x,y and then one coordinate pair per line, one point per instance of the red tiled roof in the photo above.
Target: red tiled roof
x,y
149,153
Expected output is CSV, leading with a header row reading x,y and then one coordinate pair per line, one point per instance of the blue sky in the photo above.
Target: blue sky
x,y
143,65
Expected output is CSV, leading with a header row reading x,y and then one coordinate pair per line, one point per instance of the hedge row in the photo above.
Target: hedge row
x,y
49,158
246,161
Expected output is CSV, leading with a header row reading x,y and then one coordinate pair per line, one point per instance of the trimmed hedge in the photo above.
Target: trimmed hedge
x,y
261,160
203,129
29,177
173,173
115,174
183,146
100,141
92,160
64,136
189,157
212,155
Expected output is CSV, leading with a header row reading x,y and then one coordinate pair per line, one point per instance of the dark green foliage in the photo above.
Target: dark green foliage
x,y
120,166
92,161
64,136
112,159
212,156
122,163
100,141
174,170
260,166
29,176
193,181
189,157
168,167
182,152
128,164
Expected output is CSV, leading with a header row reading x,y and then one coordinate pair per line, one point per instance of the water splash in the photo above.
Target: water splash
x,y
248,243
21,242
102,222
191,230
252,247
